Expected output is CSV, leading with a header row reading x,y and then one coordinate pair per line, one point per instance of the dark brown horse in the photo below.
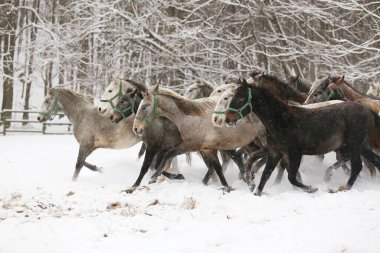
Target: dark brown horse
x,y
294,131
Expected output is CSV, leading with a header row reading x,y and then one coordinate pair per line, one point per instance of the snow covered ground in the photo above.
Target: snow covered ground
x,y
41,210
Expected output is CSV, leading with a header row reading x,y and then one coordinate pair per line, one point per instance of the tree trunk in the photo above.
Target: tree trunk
x,y
8,22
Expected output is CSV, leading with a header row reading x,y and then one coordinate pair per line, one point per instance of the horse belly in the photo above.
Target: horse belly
x,y
323,145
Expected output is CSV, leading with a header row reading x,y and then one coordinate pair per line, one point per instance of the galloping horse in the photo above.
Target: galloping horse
x,y
296,131
91,130
189,115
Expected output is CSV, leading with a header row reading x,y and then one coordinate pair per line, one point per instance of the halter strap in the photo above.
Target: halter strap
x,y
119,94
124,111
240,110
146,117
53,111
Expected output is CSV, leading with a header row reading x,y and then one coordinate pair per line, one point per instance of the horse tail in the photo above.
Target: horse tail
x,y
374,132
142,151
188,158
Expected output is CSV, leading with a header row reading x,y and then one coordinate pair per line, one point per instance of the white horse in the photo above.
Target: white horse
x,y
374,89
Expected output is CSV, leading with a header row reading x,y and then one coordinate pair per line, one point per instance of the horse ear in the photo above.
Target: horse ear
x,y
154,90
339,82
245,83
373,85
258,77
201,83
295,79
134,91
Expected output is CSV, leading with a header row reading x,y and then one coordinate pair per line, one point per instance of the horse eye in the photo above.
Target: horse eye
x,y
225,98
109,90
219,91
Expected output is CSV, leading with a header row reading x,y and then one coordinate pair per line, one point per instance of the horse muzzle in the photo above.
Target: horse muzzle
x,y
231,119
116,117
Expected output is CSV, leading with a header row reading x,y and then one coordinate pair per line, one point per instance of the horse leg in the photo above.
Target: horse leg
x,y
93,167
370,166
273,158
238,160
166,172
226,158
356,167
294,164
371,158
178,150
281,168
84,152
253,157
330,170
212,162
149,155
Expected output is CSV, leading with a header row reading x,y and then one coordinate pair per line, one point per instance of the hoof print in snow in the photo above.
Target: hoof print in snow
x,y
70,193
189,203
114,205
154,202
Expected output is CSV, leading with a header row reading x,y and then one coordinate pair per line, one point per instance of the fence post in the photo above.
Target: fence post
x,y
4,128
44,128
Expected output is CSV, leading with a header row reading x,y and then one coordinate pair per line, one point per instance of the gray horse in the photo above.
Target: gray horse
x,y
91,130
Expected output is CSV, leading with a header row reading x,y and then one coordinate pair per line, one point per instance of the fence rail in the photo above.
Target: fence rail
x,y
44,130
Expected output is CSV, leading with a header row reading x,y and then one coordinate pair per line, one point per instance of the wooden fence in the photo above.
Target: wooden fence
x,y
47,127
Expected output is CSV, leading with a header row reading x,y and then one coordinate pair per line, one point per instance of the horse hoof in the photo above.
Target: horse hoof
x,y
227,189
252,187
311,189
130,189
99,169
179,177
153,180
327,177
258,193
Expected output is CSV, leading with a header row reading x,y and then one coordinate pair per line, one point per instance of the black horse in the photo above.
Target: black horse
x,y
295,131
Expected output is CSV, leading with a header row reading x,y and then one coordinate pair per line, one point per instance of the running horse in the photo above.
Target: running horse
x,y
296,131
91,130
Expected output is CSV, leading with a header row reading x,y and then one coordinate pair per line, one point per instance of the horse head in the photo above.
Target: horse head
x,y
240,104
147,110
49,107
225,93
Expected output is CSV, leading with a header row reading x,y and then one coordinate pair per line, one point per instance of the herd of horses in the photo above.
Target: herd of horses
x,y
261,120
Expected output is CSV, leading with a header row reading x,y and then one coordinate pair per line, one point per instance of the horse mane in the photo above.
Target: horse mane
x,y
139,86
206,88
286,90
83,98
187,106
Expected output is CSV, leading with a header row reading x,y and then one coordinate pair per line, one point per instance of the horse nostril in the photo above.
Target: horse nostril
x,y
38,118
215,119
100,109
135,129
111,117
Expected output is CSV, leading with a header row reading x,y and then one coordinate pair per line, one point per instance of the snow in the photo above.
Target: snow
x,y
41,210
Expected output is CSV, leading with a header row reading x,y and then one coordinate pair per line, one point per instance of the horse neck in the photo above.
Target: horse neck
x,y
71,105
269,110
169,109
352,94
286,92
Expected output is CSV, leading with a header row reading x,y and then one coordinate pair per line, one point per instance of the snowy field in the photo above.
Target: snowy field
x,y
41,210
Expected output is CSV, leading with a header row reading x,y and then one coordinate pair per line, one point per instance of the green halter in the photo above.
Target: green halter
x,y
119,94
240,110
53,111
332,93
146,118
124,111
